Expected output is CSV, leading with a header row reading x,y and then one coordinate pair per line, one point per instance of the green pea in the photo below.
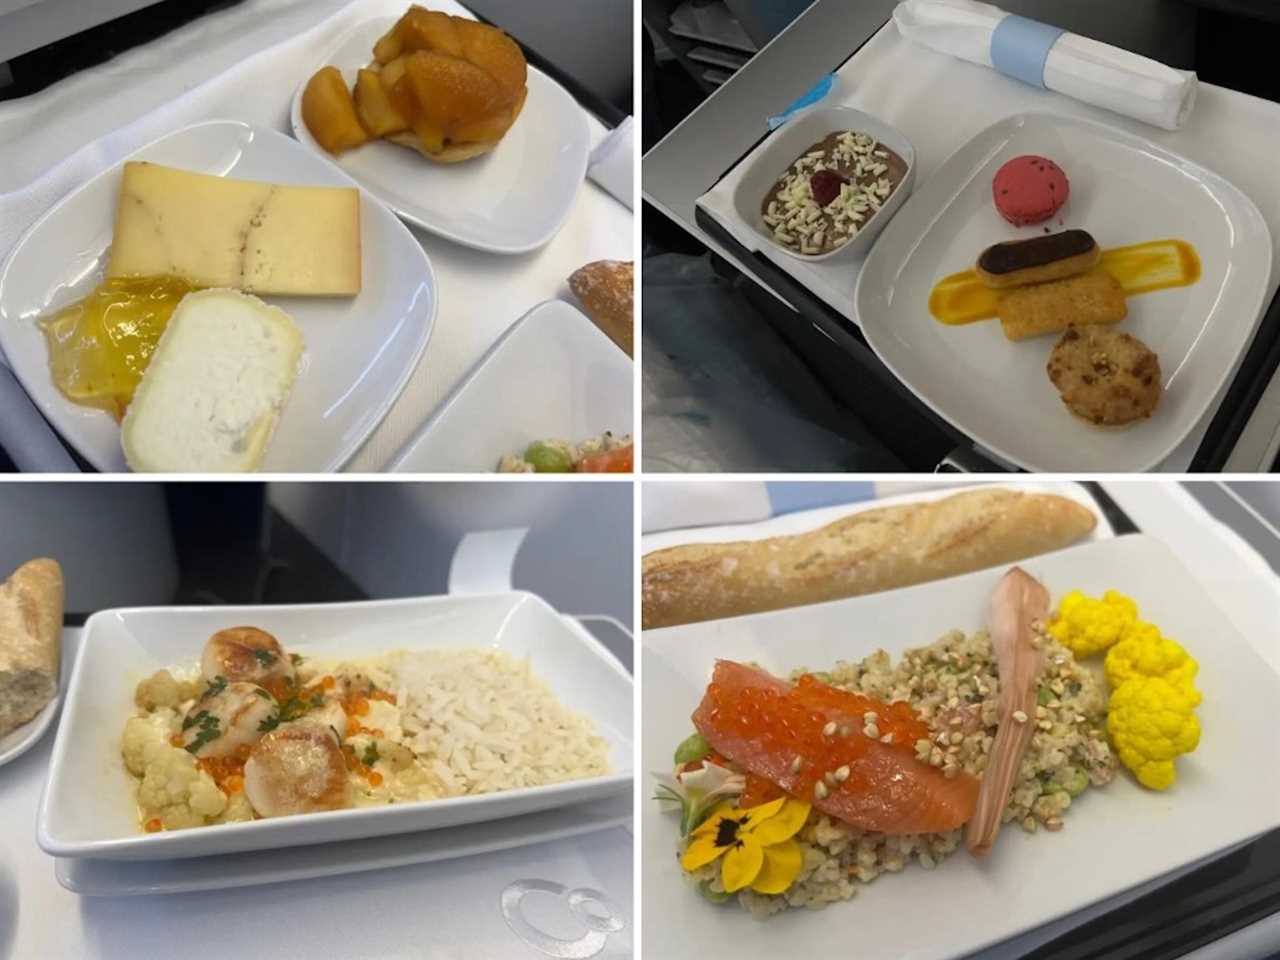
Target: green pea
x,y
715,896
548,458
693,747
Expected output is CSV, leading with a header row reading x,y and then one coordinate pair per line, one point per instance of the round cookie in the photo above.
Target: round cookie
x,y
1029,189
1106,377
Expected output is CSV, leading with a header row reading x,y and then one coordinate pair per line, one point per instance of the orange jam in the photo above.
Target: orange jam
x,y
1141,268
795,722
100,346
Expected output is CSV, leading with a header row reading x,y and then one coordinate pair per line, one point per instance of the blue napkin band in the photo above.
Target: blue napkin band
x,y
1020,47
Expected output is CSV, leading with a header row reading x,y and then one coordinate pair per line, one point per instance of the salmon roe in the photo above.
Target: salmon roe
x,y
227,771
154,825
824,726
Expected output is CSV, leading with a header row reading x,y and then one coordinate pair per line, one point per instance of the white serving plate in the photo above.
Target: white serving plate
x,y
803,521
511,200
1124,190
1116,837
788,142
360,351
87,809
17,742
118,878
553,374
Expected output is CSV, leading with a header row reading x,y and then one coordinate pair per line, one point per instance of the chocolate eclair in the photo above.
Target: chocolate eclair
x,y
1038,259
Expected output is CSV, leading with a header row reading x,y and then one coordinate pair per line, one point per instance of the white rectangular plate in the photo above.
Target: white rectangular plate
x,y
88,810
1124,190
1116,837
360,351
803,521
553,374
511,200
117,878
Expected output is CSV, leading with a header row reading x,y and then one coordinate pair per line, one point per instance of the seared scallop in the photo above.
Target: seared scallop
x,y
228,717
298,768
244,653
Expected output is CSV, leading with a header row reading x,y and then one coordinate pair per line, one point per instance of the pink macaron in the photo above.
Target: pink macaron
x,y
1029,189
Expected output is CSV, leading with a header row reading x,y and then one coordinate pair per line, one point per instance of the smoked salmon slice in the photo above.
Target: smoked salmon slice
x,y
809,738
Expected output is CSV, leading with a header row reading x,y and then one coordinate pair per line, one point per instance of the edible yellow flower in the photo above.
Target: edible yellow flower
x,y
1086,626
1152,721
1144,652
757,845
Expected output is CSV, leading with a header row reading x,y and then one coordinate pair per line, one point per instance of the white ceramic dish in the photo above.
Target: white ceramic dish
x,y
788,142
1124,190
117,878
511,200
17,742
87,809
1115,838
553,374
804,521
360,351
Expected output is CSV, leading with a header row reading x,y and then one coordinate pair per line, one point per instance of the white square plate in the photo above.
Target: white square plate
x,y
87,809
1116,837
1124,190
360,351
553,374
511,200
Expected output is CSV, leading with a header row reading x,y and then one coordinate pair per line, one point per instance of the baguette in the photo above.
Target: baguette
x,y
30,641
867,552
606,289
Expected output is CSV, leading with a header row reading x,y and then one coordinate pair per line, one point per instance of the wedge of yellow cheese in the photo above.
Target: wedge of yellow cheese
x,y
255,237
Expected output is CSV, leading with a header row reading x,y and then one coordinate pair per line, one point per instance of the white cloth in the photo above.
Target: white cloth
x,y
1084,69
613,164
245,63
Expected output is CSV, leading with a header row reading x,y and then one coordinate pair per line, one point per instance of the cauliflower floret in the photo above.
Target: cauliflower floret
x,y
162,689
1152,721
238,808
173,788
145,738
1144,652
1086,626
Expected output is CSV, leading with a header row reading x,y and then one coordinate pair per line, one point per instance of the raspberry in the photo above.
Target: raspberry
x,y
826,185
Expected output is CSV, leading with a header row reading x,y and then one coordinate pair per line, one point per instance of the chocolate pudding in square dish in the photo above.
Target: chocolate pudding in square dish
x,y
830,192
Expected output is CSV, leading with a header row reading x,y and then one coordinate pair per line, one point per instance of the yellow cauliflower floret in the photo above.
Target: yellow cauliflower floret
x,y
1086,626
1152,721
1144,652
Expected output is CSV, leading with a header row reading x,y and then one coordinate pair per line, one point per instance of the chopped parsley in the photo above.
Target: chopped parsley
x,y
294,707
297,659
208,730
269,724
370,754
263,694
265,657
215,687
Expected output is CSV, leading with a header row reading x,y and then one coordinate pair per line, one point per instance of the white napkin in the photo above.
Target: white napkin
x,y
613,163
1095,73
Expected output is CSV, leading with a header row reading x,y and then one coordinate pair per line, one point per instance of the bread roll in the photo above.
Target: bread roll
x,y
607,291
864,553
30,641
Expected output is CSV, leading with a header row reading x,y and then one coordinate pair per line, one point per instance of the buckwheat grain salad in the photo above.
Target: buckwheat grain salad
x,y
953,688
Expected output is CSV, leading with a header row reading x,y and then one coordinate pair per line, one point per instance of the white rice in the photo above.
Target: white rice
x,y
481,721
